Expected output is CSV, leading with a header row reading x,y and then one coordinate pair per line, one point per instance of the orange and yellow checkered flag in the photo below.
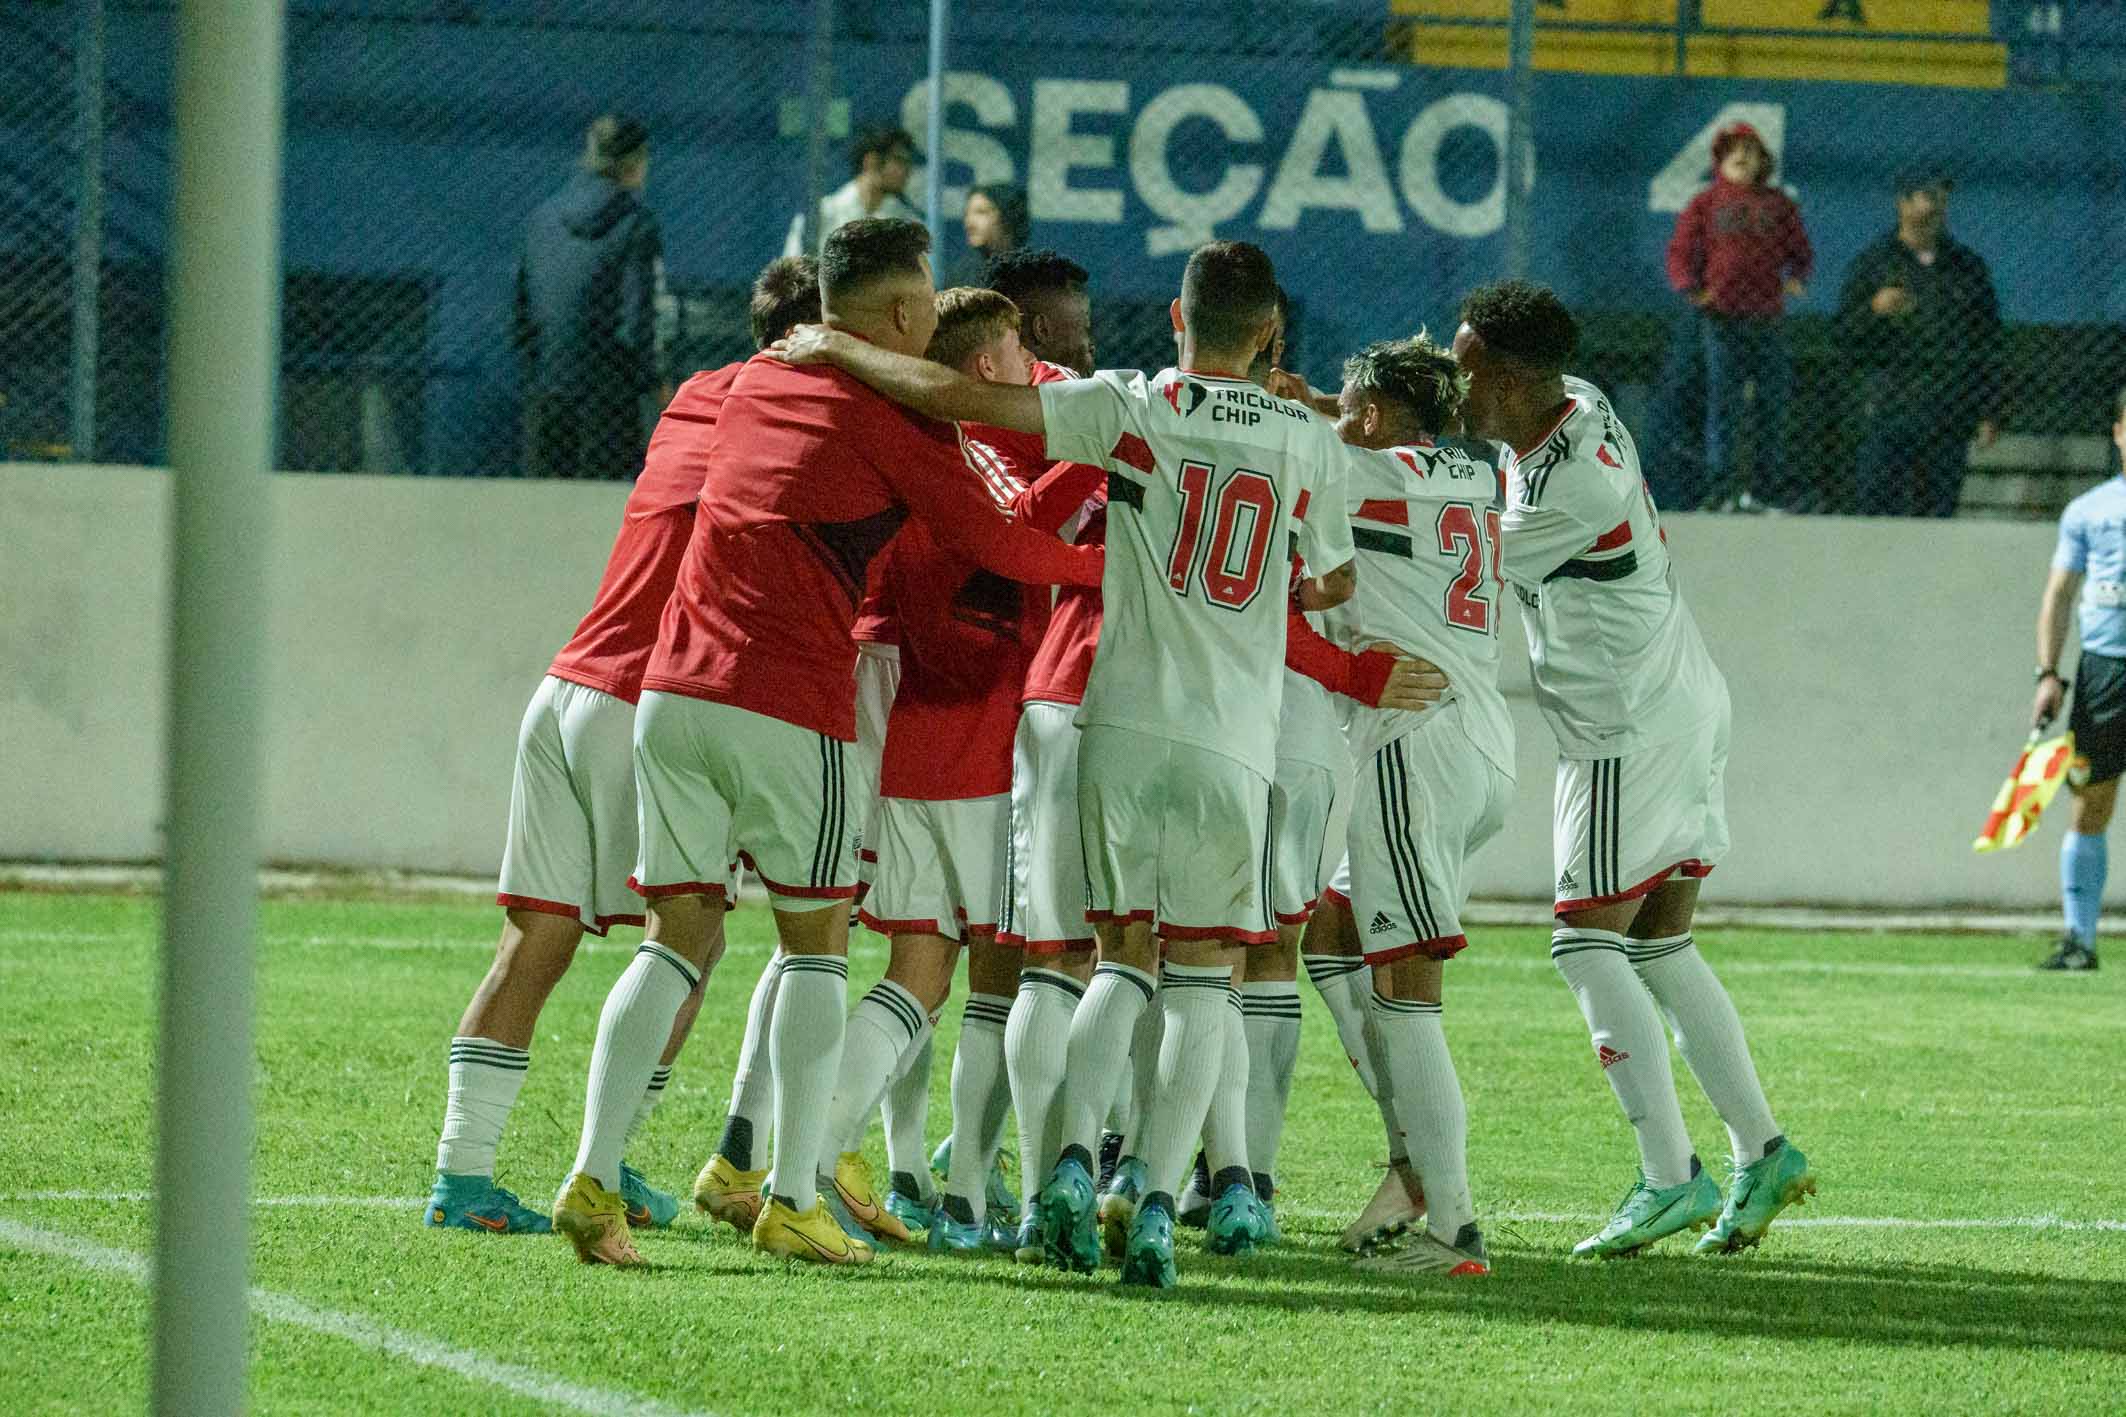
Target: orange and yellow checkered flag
x,y
2029,789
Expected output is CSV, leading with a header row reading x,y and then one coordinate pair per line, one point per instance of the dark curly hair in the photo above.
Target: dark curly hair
x,y
1025,274
1413,373
1524,322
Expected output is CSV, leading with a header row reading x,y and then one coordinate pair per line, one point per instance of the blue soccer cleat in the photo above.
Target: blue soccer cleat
x,y
1118,1206
1026,1249
647,1207
1238,1221
477,1203
950,1235
905,1203
1065,1210
1148,1259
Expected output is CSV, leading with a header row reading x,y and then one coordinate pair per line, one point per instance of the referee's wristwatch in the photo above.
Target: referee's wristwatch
x,y
2043,674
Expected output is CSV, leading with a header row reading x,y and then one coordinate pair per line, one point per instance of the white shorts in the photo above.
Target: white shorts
x,y
878,679
1622,826
940,868
719,785
1302,800
1176,835
572,808
1046,894
1424,804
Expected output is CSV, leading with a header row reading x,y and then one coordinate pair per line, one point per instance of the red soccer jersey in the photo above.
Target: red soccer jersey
x,y
811,474
1064,658
612,646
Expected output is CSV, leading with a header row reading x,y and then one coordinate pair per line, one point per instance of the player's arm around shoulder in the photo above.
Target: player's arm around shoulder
x,y
928,388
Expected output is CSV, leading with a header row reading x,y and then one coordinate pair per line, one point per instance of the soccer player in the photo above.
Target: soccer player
x,y
1210,481
571,840
1055,307
1640,714
2088,567
748,705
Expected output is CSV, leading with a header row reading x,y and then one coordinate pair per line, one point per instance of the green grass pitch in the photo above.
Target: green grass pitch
x,y
1967,1252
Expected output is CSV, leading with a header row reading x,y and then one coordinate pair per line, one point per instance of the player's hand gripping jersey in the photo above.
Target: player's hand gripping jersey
x,y
1619,664
1209,480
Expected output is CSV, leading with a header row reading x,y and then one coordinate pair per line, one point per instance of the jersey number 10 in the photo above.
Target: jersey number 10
x,y
1469,605
1230,569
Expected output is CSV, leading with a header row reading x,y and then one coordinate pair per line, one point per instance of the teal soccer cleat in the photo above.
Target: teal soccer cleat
x,y
1118,1207
1238,1221
1646,1215
904,1201
1148,1258
950,1235
1065,1210
477,1203
1026,1249
647,1207
1756,1195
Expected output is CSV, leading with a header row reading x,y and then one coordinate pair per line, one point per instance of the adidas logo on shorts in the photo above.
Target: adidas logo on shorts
x,y
1568,883
1381,923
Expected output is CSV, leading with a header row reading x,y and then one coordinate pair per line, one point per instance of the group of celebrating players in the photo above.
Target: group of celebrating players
x,y
1118,655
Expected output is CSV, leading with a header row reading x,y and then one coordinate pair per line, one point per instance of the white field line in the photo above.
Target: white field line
x,y
361,1332
1530,1217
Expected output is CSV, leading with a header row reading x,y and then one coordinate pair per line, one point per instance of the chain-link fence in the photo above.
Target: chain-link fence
x,y
1912,366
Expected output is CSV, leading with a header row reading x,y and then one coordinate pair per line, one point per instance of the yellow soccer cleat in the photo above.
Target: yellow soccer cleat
x,y
595,1221
729,1194
852,1182
811,1236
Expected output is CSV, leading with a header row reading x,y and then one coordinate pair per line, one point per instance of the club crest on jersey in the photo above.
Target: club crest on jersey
x,y
1602,452
1196,395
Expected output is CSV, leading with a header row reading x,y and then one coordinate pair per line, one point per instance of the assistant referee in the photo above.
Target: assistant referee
x,y
2089,565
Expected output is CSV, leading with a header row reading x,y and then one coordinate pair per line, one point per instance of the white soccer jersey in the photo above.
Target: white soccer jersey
x,y
1619,664
1425,520
1210,480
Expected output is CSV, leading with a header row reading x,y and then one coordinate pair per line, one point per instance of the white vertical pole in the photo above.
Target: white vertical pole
x,y
1520,131
88,220
224,294
934,130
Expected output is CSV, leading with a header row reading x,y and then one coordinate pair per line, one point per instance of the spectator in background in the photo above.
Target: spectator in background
x,y
1738,252
879,163
587,289
1919,315
995,221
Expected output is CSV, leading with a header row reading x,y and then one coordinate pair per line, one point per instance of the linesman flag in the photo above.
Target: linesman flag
x,y
2030,788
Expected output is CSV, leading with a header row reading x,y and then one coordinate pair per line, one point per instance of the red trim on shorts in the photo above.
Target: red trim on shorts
x,y
901,927
1216,932
970,929
869,858
1445,947
543,907
712,889
800,892
1306,912
607,922
1334,897
1694,868
1045,947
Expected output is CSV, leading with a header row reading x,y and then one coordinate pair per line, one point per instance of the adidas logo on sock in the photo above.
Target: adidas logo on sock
x,y
1609,1057
1381,923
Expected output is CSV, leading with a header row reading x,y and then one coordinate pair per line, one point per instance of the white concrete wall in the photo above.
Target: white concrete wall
x,y
1880,674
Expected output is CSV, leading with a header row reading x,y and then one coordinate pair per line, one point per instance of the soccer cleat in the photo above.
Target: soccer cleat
x,y
1065,1211
811,1235
595,1221
1646,1215
852,1183
1148,1258
729,1194
1110,1157
1193,1206
2070,955
951,1236
463,1202
1118,1204
1426,1253
1026,1249
1397,1204
904,1200
647,1207
1756,1195
1272,1234
1238,1221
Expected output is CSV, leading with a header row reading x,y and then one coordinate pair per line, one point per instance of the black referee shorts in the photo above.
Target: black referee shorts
x,y
2098,715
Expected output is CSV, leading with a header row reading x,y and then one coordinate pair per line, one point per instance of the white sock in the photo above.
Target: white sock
x,y
886,1027
1709,1035
1344,983
1195,1000
805,1047
1036,1044
1122,1112
651,1096
753,1083
1630,1046
1225,1121
1428,1100
485,1077
977,1063
632,1031
1099,1051
1141,1077
1269,1011
1376,1055
904,1111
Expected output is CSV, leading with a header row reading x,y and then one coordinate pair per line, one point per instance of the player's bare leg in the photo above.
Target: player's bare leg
x,y
976,1205
1036,1050
1769,1173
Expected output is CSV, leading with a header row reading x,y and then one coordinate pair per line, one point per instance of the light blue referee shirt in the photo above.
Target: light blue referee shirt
x,y
2093,544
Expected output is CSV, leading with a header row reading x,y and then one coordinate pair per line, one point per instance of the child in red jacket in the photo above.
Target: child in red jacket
x,y
1738,252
